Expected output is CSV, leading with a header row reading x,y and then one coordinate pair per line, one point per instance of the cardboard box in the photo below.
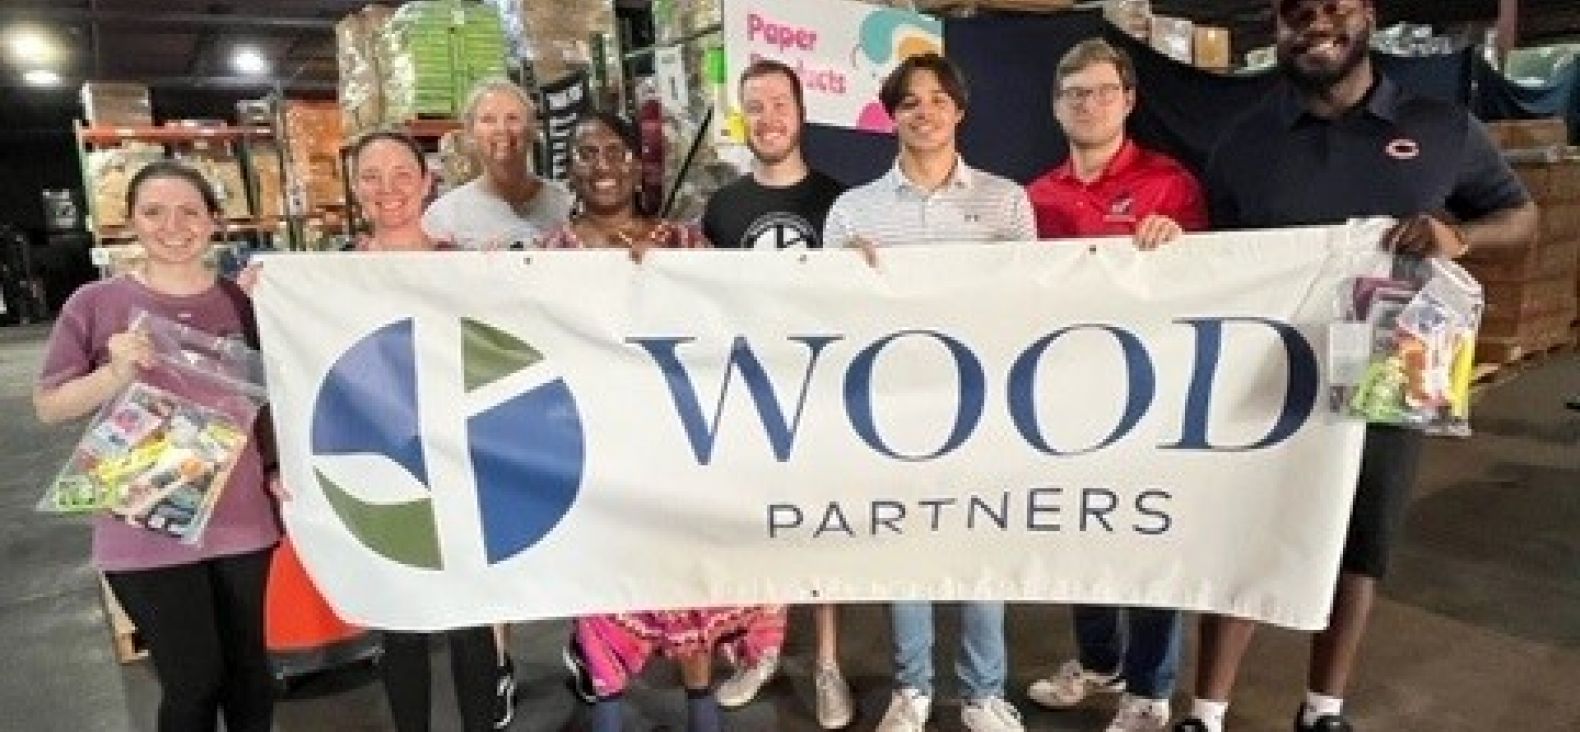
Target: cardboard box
x,y
1539,331
1212,49
1529,298
109,172
1540,261
117,104
1173,37
1522,134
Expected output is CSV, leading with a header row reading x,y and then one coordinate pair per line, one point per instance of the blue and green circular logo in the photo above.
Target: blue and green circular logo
x,y
525,448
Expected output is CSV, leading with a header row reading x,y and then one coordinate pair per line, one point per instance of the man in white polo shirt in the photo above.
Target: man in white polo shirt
x,y
931,196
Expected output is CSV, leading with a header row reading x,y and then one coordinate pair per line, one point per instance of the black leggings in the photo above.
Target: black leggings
x,y
474,666
203,625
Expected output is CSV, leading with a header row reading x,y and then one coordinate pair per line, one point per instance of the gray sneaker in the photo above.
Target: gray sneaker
x,y
834,706
740,689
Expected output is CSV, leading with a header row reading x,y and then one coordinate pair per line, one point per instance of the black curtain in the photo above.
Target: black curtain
x,y
1009,59
1498,98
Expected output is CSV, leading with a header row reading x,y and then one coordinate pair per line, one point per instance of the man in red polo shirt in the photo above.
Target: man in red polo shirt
x,y
1112,187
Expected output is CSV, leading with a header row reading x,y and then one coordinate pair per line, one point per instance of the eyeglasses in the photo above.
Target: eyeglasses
x,y
608,154
1103,93
1301,13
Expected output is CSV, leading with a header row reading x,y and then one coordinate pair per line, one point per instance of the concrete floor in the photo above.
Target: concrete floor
x,y
1479,628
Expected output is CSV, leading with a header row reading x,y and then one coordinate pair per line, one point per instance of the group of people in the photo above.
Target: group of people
x,y
1338,141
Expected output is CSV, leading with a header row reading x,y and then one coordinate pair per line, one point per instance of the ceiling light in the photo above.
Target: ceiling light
x,y
30,45
249,61
41,77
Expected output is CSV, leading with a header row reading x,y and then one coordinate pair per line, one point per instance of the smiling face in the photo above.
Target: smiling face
x,y
603,168
390,185
927,116
172,221
1320,42
773,118
504,129
1092,104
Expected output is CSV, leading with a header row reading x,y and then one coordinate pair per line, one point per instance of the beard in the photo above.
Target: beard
x,y
1320,80
777,157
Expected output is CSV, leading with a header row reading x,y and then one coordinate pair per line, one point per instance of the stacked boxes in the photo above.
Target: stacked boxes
x,y
117,105
312,130
434,51
1532,292
108,174
361,68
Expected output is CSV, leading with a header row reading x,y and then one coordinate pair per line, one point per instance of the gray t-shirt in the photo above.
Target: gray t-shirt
x,y
471,217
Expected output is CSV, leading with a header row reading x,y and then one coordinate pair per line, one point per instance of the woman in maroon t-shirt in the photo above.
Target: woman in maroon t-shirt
x,y
199,608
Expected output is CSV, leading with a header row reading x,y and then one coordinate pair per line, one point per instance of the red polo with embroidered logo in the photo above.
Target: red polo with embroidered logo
x,y
1137,183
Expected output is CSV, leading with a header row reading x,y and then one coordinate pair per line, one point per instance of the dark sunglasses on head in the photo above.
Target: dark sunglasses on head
x,y
1300,13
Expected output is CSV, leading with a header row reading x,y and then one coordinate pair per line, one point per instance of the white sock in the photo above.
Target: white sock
x,y
1211,713
1318,706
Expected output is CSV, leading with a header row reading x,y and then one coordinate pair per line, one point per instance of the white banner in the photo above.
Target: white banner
x,y
493,436
841,50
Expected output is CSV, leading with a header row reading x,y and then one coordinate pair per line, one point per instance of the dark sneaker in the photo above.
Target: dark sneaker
x,y
1324,723
1190,724
505,694
581,682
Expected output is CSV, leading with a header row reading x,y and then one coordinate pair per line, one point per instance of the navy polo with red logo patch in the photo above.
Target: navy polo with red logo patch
x,y
1396,154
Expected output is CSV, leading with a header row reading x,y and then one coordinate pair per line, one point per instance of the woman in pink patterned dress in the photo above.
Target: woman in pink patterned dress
x,y
607,651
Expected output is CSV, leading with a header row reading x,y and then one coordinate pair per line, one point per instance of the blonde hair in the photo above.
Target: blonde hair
x,y
489,86
1094,51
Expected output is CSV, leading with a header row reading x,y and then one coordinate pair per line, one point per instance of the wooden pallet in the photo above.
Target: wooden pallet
x,y
1515,361
128,644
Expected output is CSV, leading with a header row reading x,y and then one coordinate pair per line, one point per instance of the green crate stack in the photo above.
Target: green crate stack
x,y
436,50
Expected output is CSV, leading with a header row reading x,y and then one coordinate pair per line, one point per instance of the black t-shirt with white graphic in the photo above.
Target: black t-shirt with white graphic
x,y
749,215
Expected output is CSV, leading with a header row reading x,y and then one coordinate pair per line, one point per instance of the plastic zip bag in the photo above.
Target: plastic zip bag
x,y
1403,352
158,455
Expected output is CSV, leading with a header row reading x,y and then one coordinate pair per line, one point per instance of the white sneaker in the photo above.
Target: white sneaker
x,y
907,712
740,689
834,707
1140,714
991,714
1071,685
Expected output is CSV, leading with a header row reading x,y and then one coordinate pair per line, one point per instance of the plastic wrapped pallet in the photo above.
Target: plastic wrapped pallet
x,y
559,34
1173,37
361,68
434,52
109,172
117,104
1131,16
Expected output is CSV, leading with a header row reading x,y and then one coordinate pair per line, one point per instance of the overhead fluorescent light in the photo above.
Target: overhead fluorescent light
x,y
249,61
41,77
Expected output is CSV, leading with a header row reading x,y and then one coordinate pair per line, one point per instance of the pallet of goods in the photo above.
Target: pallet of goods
x,y
1533,293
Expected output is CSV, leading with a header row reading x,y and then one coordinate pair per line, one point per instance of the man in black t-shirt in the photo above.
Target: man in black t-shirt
x,y
781,203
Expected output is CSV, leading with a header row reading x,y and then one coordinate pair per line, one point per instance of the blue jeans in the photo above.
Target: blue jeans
x,y
1142,642
981,666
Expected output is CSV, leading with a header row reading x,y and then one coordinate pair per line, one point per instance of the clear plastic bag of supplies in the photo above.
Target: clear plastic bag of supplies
x,y
1403,352
159,453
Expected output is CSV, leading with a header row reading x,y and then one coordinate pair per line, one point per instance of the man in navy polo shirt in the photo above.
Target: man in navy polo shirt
x,y
1341,141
